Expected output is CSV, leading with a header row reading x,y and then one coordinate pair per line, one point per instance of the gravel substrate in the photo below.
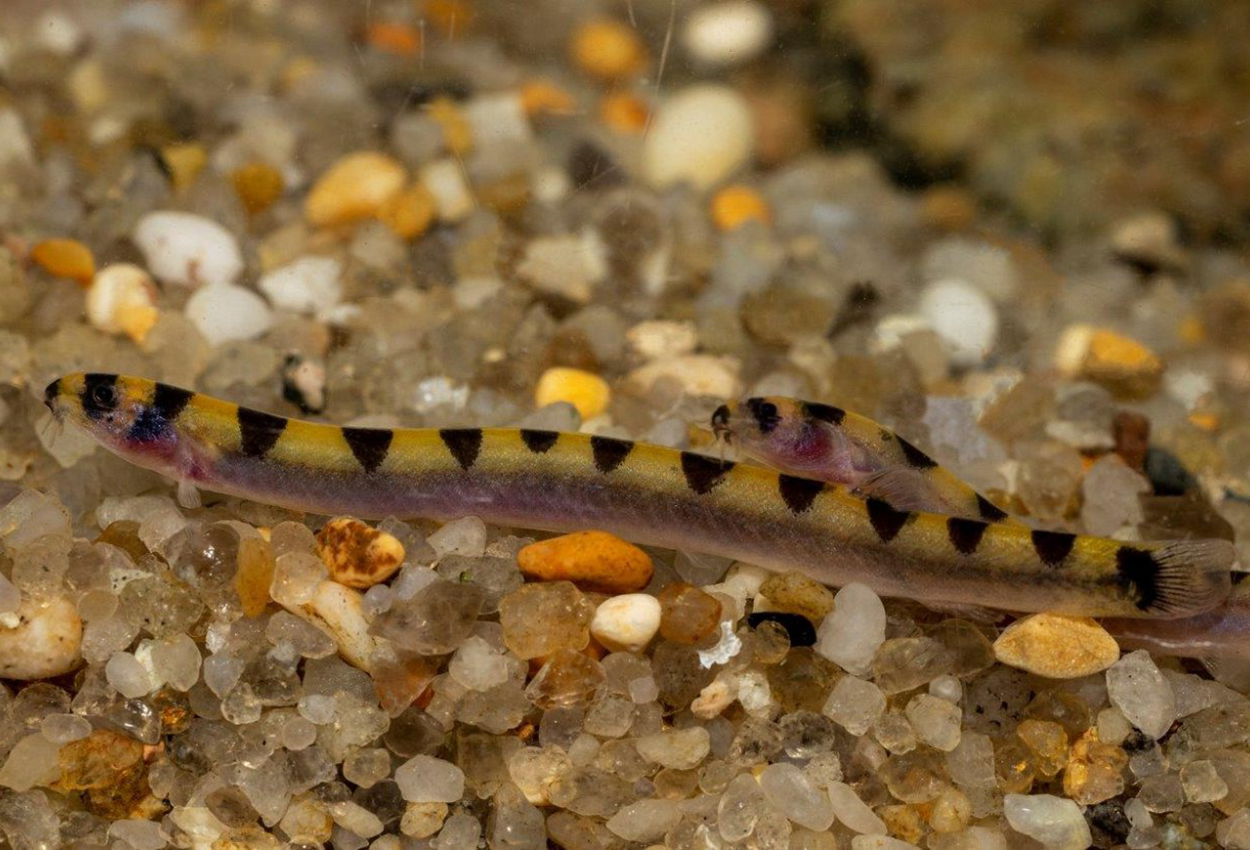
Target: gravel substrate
x,y
1014,235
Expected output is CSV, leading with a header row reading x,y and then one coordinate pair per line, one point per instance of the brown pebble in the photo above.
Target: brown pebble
x,y
254,575
258,185
798,594
1131,432
356,554
687,614
592,560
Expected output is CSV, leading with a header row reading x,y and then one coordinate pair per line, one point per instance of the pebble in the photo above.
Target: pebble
x,y
45,643
258,185
339,611
410,212
734,206
1121,364
309,285
644,821
566,266
254,575
540,618
1057,646
701,135
657,339
354,188
676,749
707,375
608,49
935,720
586,391
852,812
797,593
1111,490
65,258
445,181
227,313
790,791
425,779
1150,240
185,249
854,704
1143,695
852,634
1053,821
624,112
122,300
592,560
358,555
963,316
880,842
626,623
688,614
728,33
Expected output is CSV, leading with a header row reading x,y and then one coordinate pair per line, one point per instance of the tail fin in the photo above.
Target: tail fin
x,y
1178,579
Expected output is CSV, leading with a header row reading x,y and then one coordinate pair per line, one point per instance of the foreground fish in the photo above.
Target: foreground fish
x,y
828,443
660,496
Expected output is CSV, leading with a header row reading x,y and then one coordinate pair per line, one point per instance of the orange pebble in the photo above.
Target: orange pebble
x,y
395,38
409,213
258,185
608,49
457,134
733,206
65,258
592,560
185,163
450,16
625,113
356,554
539,97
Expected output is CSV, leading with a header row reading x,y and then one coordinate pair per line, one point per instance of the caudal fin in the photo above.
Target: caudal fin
x,y
1178,579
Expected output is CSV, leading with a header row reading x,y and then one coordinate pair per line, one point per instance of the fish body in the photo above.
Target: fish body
x,y
831,444
650,494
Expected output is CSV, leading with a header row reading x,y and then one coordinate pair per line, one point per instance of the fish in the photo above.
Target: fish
x,y
823,441
831,444
654,495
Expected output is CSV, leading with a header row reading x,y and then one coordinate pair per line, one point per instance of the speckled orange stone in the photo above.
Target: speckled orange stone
x,y
592,560
356,554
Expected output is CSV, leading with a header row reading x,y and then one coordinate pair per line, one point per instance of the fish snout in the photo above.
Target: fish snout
x,y
720,421
51,393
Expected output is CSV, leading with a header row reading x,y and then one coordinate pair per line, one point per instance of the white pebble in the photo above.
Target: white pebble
x,y
963,316
308,285
854,704
644,821
425,779
727,33
853,812
696,374
1143,695
1056,822
339,611
188,250
935,720
790,791
700,136
122,299
626,623
880,842
226,312
45,643
128,676
445,180
656,339
465,536
852,634
478,666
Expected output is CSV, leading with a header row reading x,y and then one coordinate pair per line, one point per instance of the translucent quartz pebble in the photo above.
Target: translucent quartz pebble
x,y
935,720
425,779
568,678
478,665
905,663
854,704
790,791
853,812
535,769
1202,783
645,821
741,804
971,763
679,749
852,633
305,639
880,842
31,762
128,676
434,621
63,728
539,619
1143,695
465,536
31,515
1054,821
515,823
460,832
688,614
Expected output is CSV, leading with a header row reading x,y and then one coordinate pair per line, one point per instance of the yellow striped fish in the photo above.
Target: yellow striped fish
x,y
650,494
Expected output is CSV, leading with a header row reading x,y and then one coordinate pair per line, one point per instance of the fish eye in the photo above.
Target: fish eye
x,y
104,395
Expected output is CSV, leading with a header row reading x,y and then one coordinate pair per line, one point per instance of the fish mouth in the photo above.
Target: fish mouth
x,y
720,422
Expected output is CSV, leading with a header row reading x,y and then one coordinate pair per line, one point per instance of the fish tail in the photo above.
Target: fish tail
x,y
1180,578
